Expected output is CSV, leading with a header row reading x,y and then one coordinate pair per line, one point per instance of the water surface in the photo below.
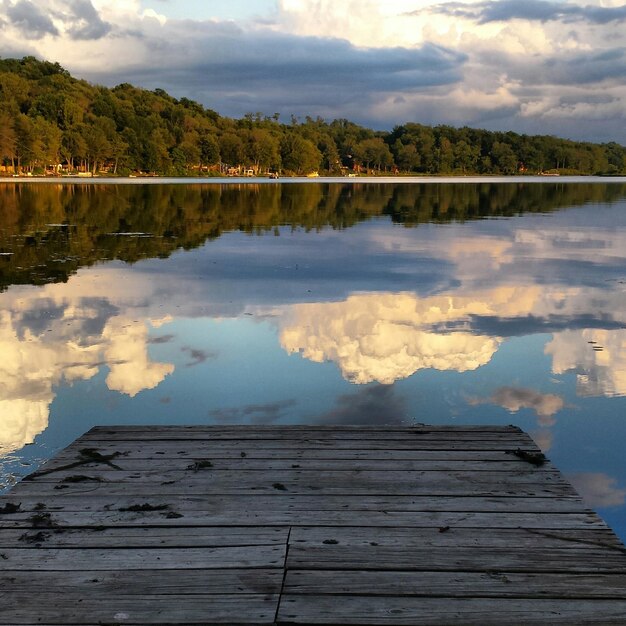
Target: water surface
x,y
475,303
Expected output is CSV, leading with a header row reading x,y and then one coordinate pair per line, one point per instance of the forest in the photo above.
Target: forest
x,y
52,123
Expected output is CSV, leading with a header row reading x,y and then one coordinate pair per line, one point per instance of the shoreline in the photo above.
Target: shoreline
x,y
172,180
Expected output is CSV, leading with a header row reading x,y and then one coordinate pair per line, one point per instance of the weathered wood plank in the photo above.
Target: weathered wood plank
x,y
321,477
479,538
417,519
196,470
281,501
147,582
443,487
79,609
157,465
337,557
283,430
216,536
299,432
399,611
480,490
143,537
416,443
455,584
193,451
143,558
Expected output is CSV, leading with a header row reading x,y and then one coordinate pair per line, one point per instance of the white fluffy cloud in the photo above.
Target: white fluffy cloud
x,y
598,490
385,337
126,352
545,405
597,357
39,352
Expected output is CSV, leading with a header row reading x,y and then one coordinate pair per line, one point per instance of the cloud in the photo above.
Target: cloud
x,y
385,337
30,20
369,406
529,324
75,19
530,10
22,421
253,413
579,69
596,356
236,71
198,356
130,368
544,438
56,336
83,22
545,405
598,490
533,67
161,339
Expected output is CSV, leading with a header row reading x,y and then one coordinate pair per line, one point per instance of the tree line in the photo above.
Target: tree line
x,y
51,122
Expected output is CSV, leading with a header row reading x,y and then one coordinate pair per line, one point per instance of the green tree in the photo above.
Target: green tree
x,y
232,149
503,157
209,150
299,155
48,144
263,149
445,155
373,152
97,148
26,143
8,139
73,147
465,157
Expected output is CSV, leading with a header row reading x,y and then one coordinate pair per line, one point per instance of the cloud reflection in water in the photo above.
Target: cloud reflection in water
x,y
69,346
386,336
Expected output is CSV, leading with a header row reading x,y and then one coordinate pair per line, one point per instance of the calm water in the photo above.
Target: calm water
x,y
319,304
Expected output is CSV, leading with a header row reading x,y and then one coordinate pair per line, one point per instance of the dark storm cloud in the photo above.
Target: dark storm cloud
x,y
532,10
254,413
372,406
32,22
572,69
569,81
198,356
528,324
84,22
226,67
586,68
161,339
80,19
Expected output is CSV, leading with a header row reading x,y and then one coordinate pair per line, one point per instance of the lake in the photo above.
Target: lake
x,y
474,302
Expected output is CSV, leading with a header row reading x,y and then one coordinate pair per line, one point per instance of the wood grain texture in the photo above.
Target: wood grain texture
x,y
304,525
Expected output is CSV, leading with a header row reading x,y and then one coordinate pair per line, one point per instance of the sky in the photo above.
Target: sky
x,y
539,66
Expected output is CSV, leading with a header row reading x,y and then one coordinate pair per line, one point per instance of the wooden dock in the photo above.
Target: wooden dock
x,y
305,525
